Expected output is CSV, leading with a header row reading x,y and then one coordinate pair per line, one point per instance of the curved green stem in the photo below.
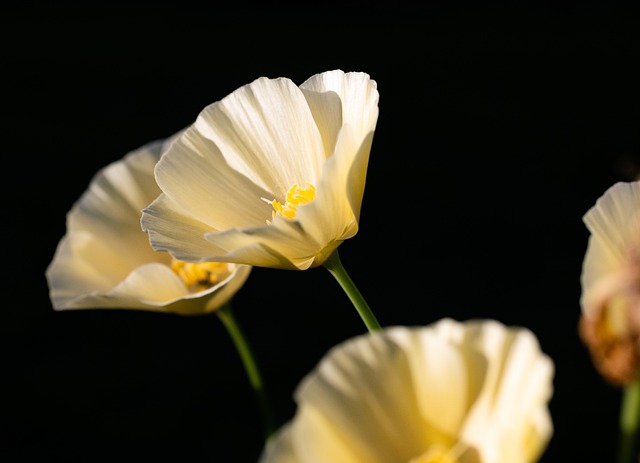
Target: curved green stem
x,y
629,423
335,267
251,367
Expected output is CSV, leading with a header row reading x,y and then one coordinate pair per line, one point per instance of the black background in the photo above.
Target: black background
x,y
499,127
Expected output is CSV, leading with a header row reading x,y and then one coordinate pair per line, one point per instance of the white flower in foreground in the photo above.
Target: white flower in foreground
x,y
610,298
105,260
272,175
462,392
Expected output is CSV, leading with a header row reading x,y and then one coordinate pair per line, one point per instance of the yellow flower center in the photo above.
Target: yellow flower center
x,y
296,196
202,275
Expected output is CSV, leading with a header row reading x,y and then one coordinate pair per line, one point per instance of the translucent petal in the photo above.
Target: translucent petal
x,y
440,382
110,209
248,149
185,242
105,259
357,93
615,216
614,223
195,175
334,214
513,396
283,244
395,394
265,131
366,390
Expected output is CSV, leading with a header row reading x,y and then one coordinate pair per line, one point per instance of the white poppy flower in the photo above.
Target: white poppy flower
x,y
105,260
451,392
272,175
610,279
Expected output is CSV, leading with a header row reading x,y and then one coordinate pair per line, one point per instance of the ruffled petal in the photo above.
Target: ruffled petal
x,y
440,381
319,226
104,243
615,218
198,179
507,421
185,242
105,260
249,149
358,96
365,389
283,244
333,216
158,288
614,224
601,263
477,389
110,209
265,131
78,280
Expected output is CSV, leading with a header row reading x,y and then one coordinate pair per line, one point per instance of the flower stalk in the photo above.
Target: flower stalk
x,y
335,267
225,314
629,423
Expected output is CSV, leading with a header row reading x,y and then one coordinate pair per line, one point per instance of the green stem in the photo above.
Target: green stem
x,y
629,423
335,267
251,367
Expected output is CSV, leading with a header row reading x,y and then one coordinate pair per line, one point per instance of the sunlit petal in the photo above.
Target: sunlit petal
x,y
105,260
197,183
610,299
474,391
265,131
233,169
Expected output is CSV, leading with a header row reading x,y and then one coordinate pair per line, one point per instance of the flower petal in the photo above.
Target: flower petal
x,y
477,389
104,242
199,183
249,149
265,130
365,390
185,242
317,438
280,449
441,382
334,214
510,408
356,105
105,260
615,215
613,221
274,246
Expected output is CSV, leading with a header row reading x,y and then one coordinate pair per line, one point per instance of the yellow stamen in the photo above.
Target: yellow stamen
x,y
296,196
203,275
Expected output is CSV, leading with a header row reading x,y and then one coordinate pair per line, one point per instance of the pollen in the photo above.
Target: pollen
x,y
296,196
203,275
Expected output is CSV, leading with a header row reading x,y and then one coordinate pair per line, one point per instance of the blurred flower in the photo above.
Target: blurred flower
x,y
105,260
610,298
272,175
450,392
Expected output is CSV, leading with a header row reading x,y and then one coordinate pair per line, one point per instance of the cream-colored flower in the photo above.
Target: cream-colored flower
x,y
451,392
272,175
610,279
105,260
